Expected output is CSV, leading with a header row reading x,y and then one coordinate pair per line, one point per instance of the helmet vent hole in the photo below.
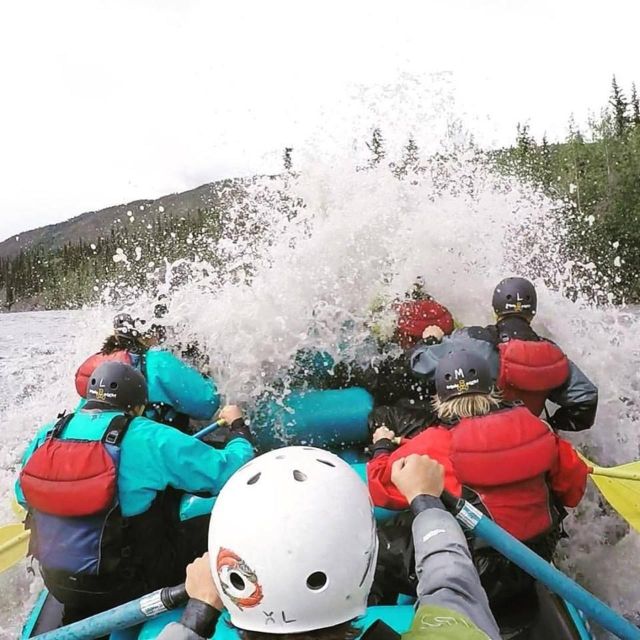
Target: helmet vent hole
x,y
254,479
447,376
281,457
93,382
509,296
472,372
329,464
113,385
316,581
237,580
299,476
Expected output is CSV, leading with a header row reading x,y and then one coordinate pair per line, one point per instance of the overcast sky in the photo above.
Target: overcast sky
x,y
106,102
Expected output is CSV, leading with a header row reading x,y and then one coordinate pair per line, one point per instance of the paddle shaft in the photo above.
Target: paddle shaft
x,y
534,565
207,430
614,472
122,617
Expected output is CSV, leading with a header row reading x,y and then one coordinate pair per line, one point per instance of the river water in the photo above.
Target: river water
x,y
304,264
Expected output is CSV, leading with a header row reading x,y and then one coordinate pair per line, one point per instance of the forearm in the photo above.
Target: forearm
x,y
446,574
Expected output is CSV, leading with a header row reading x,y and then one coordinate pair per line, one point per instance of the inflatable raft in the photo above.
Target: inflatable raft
x,y
554,620
336,420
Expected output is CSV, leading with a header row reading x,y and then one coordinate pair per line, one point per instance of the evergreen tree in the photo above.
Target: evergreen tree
x,y
524,141
635,106
525,151
596,173
376,146
286,158
410,161
619,105
546,168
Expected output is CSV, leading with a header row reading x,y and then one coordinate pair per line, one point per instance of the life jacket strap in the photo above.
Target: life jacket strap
x,y
117,429
60,426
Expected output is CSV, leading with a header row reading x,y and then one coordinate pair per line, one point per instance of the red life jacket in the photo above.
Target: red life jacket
x,y
71,490
529,371
503,458
92,363
414,316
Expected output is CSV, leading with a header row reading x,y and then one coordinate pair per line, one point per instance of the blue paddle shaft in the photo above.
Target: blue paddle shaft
x,y
207,430
546,573
122,617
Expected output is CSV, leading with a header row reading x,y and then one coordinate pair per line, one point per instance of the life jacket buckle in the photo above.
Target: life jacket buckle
x,y
112,437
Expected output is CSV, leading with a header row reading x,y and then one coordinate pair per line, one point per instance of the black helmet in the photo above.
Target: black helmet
x,y
125,326
515,296
118,385
460,373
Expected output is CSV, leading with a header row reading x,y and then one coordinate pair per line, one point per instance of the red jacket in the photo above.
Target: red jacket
x,y
529,371
509,458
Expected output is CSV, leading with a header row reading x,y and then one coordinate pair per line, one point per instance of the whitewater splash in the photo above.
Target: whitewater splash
x,y
305,256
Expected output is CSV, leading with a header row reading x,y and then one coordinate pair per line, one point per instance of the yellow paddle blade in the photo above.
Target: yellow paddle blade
x,y
620,487
14,543
623,496
18,509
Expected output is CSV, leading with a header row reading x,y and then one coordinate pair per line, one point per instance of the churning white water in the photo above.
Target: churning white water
x,y
305,257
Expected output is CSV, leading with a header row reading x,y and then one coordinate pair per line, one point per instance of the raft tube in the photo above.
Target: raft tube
x,y
329,419
553,620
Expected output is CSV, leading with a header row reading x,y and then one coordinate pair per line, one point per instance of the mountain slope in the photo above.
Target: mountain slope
x,y
92,225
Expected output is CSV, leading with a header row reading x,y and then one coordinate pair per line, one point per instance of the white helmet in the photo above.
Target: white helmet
x,y
293,542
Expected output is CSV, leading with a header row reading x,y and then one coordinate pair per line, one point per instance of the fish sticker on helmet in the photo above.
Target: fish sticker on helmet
x,y
239,582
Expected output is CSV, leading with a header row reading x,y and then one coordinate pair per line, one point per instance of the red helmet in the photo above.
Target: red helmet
x,y
414,316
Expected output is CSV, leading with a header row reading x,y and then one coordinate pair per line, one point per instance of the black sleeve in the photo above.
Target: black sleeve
x,y
406,418
382,447
578,400
574,418
239,429
200,617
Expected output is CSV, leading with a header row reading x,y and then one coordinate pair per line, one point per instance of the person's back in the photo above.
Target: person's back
x,y
94,484
499,456
524,365
505,462
176,391
309,580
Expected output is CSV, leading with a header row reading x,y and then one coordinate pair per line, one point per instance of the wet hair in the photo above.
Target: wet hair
x,y
120,343
344,631
466,406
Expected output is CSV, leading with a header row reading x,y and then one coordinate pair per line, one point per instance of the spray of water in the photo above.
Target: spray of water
x,y
302,260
